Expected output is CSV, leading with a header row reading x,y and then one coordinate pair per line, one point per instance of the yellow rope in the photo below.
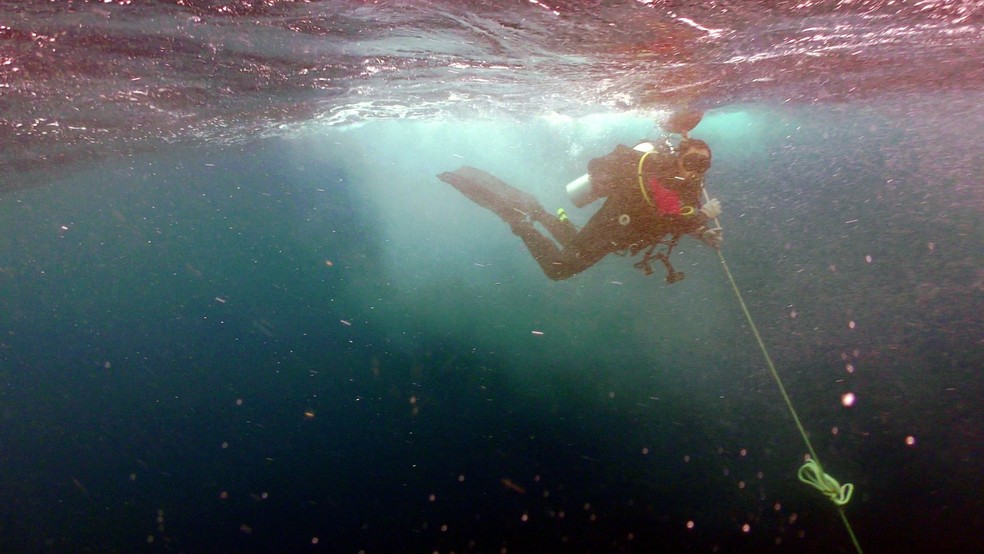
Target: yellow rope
x,y
811,472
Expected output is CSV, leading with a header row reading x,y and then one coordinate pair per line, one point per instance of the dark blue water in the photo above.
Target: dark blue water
x,y
227,326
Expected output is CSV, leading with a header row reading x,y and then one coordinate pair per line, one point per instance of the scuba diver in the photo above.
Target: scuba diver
x,y
652,197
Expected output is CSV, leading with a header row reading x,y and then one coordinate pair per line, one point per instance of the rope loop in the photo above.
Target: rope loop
x,y
812,474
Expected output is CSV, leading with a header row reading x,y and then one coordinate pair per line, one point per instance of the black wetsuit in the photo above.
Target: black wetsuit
x,y
629,219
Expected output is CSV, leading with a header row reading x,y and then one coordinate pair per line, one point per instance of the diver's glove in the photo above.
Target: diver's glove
x,y
712,209
711,237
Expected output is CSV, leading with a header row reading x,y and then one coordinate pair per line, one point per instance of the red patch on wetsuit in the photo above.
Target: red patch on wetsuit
x,y
667,202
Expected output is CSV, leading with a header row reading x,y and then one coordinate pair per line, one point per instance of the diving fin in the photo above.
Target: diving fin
x,y
488,191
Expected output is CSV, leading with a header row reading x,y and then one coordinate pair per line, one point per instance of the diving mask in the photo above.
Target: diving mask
x,y
697,162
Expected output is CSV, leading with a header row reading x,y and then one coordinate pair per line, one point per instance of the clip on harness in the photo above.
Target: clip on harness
x,y
672,275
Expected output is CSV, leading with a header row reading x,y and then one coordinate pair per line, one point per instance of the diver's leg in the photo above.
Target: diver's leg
x,y
582,248
518,209
561,229
556,264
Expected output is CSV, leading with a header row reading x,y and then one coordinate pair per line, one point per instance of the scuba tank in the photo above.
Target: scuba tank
x,y
581,190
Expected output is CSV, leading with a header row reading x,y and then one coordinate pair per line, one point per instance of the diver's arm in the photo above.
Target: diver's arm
x,y
707,231
710,231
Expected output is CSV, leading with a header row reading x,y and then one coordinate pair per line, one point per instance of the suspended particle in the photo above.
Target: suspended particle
x,y
847,399
746,528
850,324
690,524
868,258
509,484
910,441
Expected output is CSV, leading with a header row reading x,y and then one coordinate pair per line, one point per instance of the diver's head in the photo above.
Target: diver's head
x,y
693,157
